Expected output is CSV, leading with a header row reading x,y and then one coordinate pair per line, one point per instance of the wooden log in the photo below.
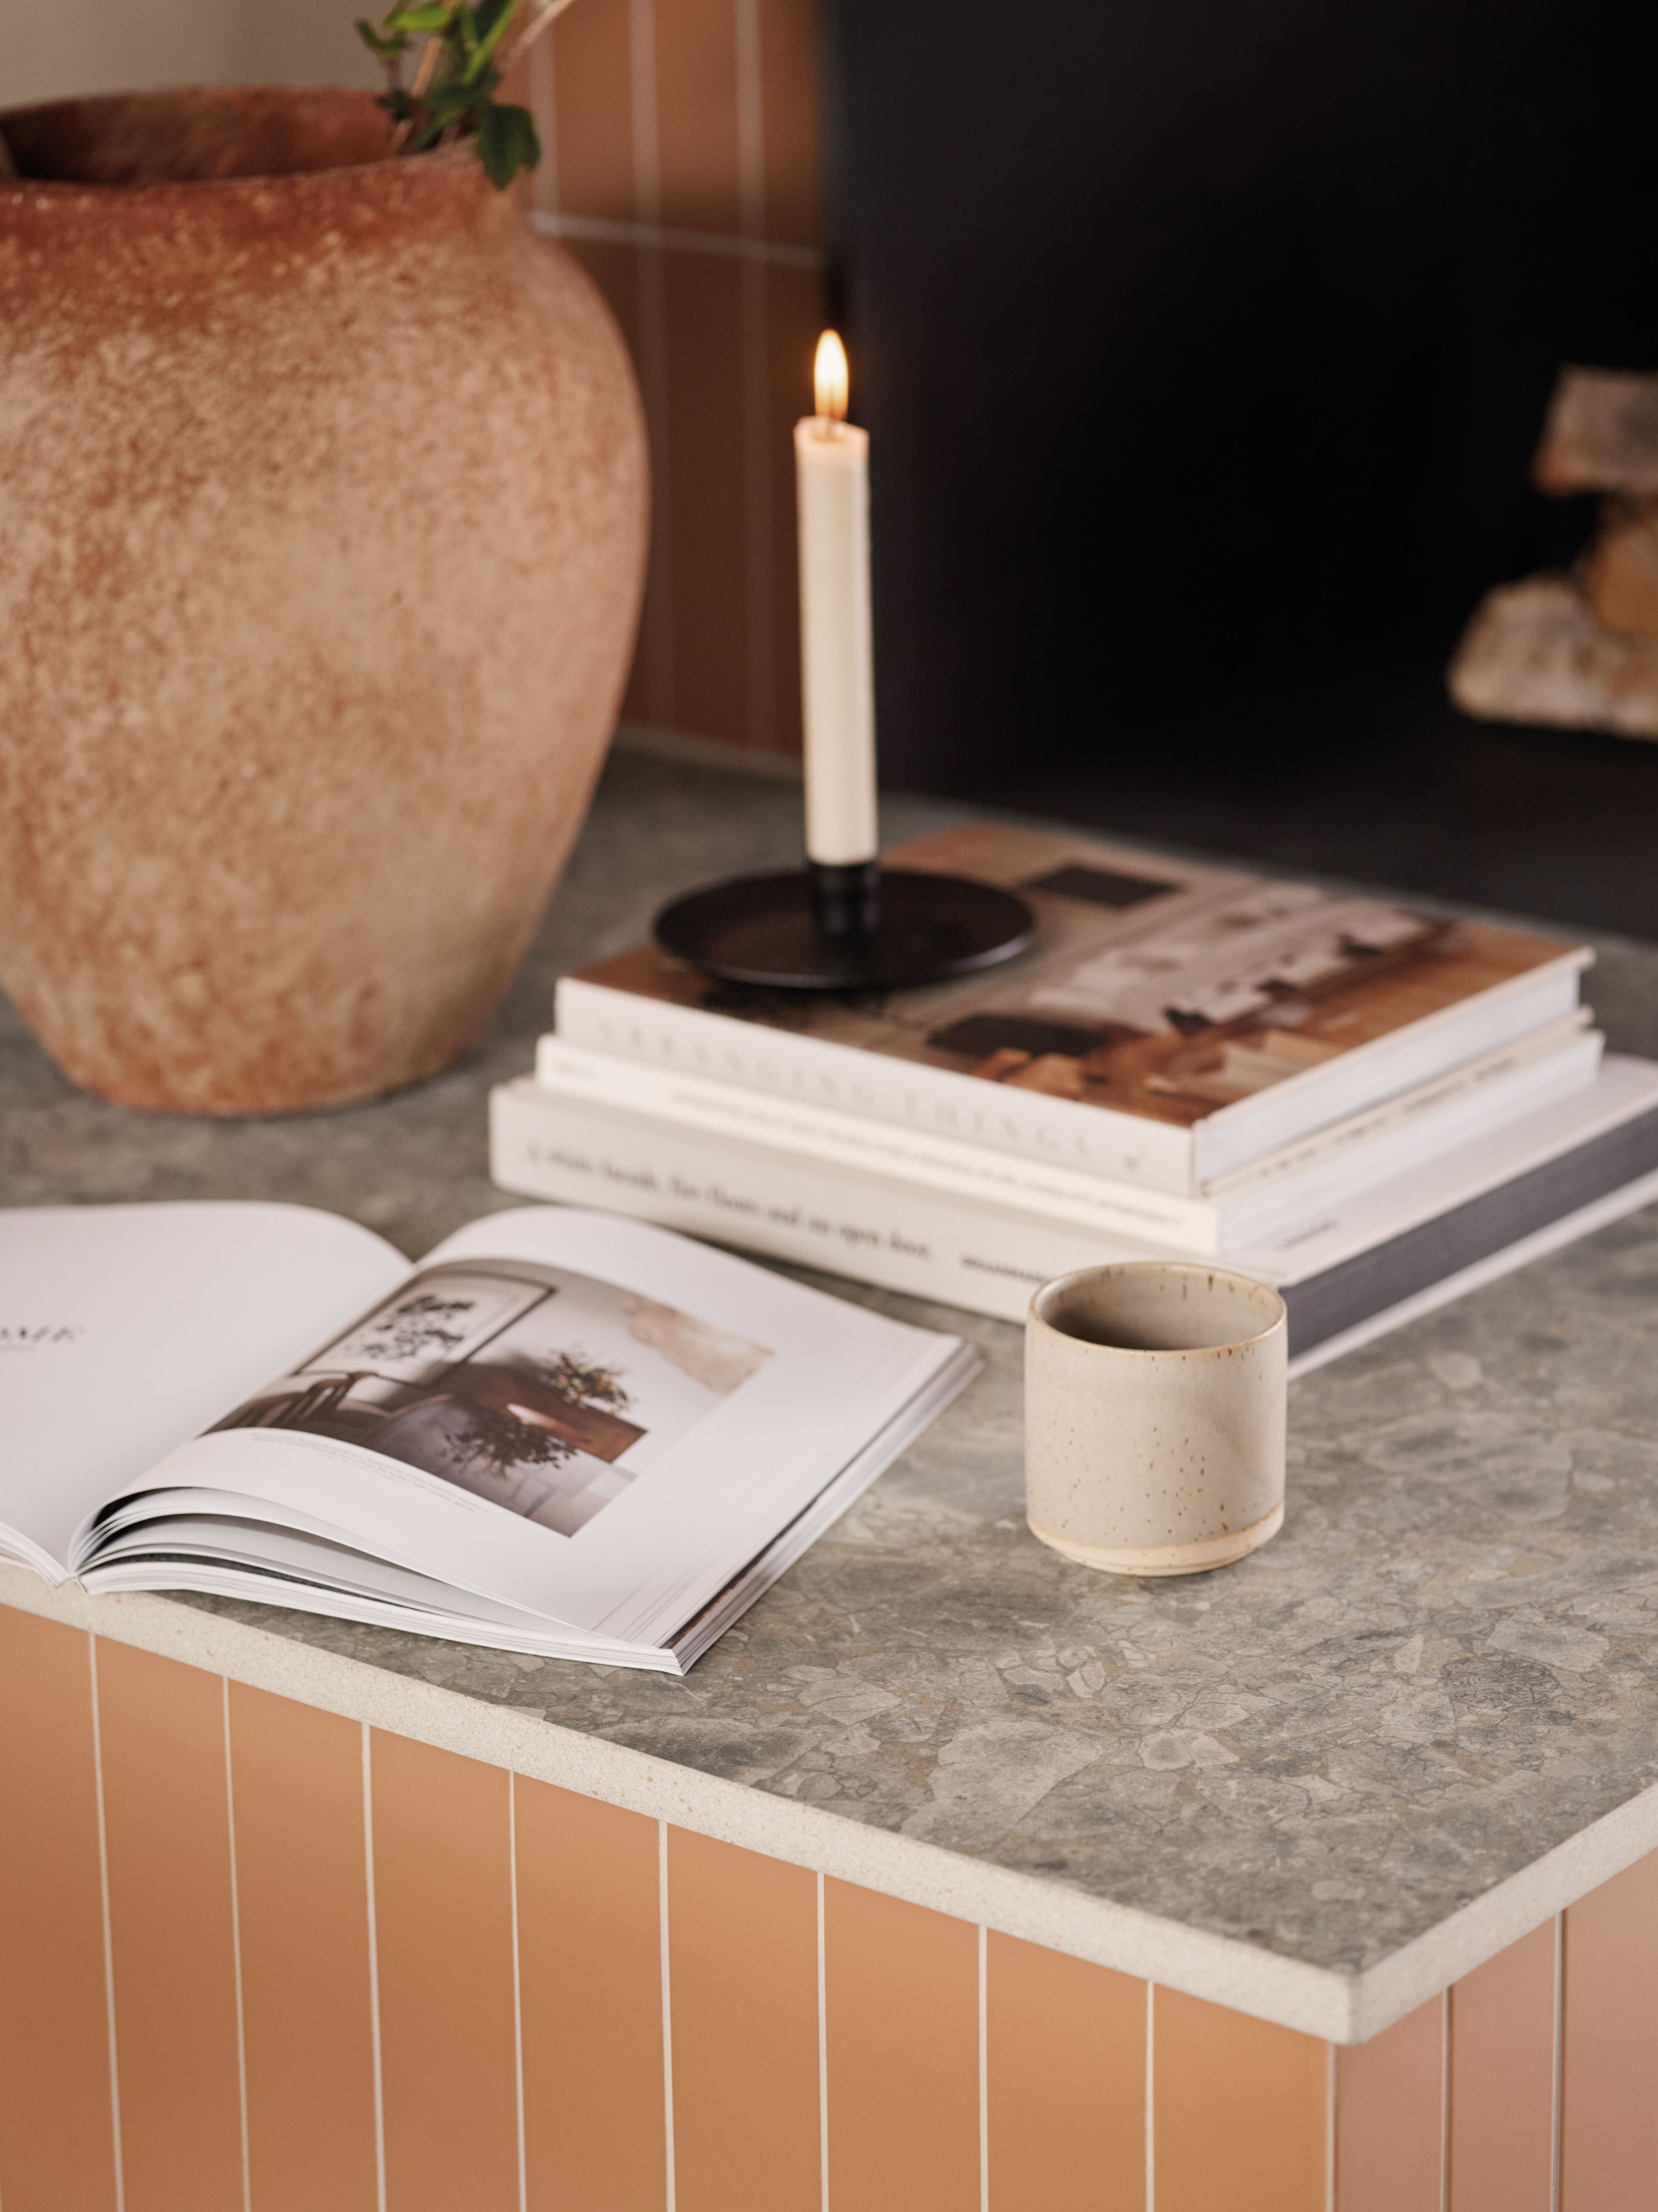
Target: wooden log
x,y
1620,571
1534,652
1601,434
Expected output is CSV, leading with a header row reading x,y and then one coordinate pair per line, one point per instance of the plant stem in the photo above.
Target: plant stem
x,y
533,31
417,92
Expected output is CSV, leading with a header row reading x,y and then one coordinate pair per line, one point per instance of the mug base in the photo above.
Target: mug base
x,y
1169,1558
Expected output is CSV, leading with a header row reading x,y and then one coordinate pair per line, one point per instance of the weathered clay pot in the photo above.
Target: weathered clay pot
x,y
322,528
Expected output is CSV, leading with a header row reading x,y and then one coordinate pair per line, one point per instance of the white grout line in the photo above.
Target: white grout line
x,y
109,1939
517,2001
236,1948
1150,2102
823,2050
761,610
373,1970
1329,2127
662,238
984,2068
1559,2056
759,594
1445,2101
648,156
751,122
543,96
667,2006
656,625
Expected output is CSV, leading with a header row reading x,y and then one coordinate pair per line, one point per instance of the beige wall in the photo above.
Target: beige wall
x,y
71,47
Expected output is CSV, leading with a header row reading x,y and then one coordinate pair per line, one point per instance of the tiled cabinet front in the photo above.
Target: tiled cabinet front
x,y
256,1957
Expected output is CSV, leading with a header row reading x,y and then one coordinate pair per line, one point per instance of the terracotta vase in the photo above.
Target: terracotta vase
x,y
322,534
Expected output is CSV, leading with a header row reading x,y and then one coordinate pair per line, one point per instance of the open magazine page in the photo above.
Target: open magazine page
x,y
571,1415
124,1329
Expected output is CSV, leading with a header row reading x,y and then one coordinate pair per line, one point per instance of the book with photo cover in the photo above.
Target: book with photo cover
x,y
1171,1025
561,1432
1474,1100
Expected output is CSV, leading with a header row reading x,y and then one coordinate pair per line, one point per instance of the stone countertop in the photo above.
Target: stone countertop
x,y
1417,1723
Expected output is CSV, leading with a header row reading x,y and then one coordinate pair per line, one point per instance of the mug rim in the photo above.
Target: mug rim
x,y
1278,1325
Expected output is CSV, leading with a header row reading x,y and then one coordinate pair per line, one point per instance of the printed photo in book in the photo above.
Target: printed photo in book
x,y
1158,989
543,1391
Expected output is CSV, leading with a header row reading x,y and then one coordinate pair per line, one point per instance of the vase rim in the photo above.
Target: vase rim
x,y
297,131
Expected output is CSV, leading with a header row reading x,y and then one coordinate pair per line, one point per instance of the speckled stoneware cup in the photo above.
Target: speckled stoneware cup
x,y
1155,1416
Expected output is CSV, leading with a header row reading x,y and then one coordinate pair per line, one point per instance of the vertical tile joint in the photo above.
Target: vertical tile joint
x,y
667,2008
1559,2056
822,2052
518,1983
984,2071
1150,2099
374,1968
1445,2102
236,1946
109,1936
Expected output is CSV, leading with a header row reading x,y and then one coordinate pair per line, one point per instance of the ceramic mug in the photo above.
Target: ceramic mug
x,y
1155,1416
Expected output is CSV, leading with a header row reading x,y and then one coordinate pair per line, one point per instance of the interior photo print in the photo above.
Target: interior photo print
x,y
545,1391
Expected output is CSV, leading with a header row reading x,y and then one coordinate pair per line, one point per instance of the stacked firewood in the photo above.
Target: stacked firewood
x,y
1581,648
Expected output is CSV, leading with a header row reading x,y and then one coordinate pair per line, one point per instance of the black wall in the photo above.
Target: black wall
x,y
1204,348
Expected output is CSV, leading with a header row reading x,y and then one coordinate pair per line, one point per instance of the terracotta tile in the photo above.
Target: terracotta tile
x,y
57,2146
1502,2120
697,115
1239,2121
590,144
707,547
166,1819
1608,2112
302,1910
1390,2121
443,1919
590,1951
1066,2064
743,1942
791,105
794,311
902,1990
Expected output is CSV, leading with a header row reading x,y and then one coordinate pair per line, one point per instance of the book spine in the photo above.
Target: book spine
x,y
1094,1139
781,1205
1411,1132
1093,1202
1390,1065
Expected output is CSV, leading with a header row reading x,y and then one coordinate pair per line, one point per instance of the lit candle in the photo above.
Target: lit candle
x,y
831,464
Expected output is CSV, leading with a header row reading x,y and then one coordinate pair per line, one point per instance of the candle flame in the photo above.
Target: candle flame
x,y
830,378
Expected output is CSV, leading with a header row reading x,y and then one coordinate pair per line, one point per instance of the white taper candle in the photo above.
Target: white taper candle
x,y
837,675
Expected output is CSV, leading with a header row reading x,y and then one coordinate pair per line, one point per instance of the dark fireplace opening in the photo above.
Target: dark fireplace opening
x,y
1204,351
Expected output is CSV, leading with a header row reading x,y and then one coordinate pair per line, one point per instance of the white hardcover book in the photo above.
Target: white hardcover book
x,y
1169,1024
1343,1270
1551,1063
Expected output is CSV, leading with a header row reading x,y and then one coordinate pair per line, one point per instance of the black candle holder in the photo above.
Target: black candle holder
x,y
858,929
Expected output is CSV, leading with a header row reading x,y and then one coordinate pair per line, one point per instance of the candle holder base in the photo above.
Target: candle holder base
x,y
770,931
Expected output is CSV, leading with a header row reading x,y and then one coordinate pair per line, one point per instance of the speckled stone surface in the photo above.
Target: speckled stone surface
x,y
1445,1666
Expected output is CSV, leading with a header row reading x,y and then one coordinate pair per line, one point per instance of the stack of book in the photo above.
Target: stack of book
x,y
1370,1109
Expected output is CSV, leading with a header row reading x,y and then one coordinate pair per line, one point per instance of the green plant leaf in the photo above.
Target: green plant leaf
x,y
424,21
493,18
387,49
507,142
449,100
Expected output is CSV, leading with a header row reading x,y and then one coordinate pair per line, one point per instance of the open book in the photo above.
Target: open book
x,y
561,1432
